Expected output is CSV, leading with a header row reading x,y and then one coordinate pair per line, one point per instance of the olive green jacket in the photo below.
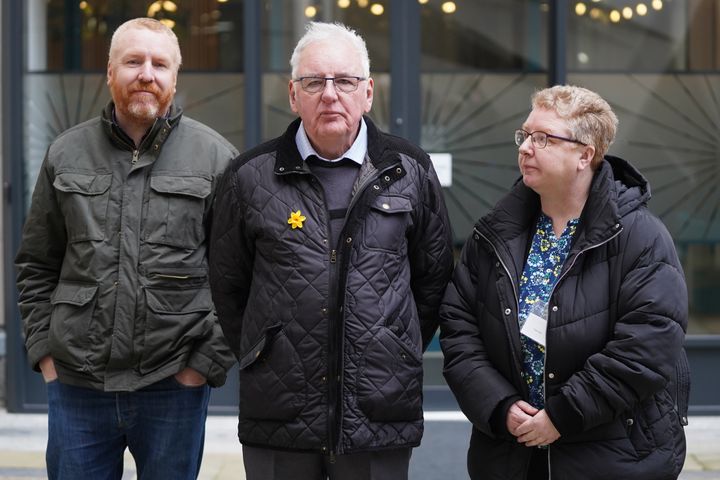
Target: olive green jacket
x,y
112,268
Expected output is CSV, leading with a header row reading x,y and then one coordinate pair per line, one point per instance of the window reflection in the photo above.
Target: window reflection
x,y
641,35
68,35
488,35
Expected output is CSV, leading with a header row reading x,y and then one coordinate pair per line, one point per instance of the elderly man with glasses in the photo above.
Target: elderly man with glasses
x,y
330,252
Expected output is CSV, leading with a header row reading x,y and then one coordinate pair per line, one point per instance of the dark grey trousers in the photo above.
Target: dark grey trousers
x,y
267,464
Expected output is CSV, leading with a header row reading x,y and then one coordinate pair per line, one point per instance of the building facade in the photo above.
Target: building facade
x,y
453,76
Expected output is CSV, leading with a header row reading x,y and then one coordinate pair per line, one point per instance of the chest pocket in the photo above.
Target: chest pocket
x,y
387,223
175,211
83,200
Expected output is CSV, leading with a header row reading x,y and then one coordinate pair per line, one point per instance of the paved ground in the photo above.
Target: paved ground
x,y
441,456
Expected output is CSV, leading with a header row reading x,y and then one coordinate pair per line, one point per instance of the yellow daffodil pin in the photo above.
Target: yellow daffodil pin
x,y
296,219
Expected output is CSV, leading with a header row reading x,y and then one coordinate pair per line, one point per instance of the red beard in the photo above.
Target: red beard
x,y
142,107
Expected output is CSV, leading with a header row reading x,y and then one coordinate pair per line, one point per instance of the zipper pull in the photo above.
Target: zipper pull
x,y
333,256
332,457
136,154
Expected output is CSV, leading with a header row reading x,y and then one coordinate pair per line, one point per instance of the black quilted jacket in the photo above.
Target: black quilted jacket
x,y
617,320
330,338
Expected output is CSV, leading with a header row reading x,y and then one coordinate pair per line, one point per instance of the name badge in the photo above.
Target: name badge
x,y
534,328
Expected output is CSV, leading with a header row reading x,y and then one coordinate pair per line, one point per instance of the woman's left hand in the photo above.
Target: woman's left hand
x,y
537,431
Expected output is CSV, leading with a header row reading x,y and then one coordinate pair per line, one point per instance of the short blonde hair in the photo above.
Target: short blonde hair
x,y
589,116
148,24
318,31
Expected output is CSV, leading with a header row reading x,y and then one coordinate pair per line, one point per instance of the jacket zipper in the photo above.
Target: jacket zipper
x,y
135,156
562,276
335,369
518,365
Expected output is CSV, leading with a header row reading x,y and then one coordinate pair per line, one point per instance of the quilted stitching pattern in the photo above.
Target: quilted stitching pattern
x,y
264,274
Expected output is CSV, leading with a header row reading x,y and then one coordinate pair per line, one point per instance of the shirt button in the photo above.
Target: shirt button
x,y
324,310
386,206
348,240
497,264
508,311
551,375
554,309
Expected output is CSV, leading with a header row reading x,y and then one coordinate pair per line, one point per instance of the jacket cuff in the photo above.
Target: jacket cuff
x,y
563,415
37,351
498,419
215,373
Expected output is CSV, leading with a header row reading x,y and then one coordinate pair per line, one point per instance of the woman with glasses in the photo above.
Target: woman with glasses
x,y
564,323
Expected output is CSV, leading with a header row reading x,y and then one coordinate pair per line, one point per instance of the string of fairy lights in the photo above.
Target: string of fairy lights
x,y
377,8
598,10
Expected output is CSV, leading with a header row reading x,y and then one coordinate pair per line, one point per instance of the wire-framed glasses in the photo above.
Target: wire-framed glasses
x,y
317,84
539,139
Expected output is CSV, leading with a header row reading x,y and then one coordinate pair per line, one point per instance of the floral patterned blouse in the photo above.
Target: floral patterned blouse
x,y
542,269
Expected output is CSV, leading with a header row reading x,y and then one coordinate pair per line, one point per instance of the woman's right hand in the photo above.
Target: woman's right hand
x,y
518,413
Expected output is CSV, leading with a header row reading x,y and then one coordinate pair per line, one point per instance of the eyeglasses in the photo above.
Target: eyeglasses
x,y
539,139
317,84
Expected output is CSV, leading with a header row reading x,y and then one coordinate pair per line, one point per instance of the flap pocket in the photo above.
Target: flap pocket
x,y
392,204
256,351
73,293
82,183
180,301
198,187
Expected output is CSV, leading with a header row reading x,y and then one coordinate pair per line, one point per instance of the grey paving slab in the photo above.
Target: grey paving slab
x,y
441,455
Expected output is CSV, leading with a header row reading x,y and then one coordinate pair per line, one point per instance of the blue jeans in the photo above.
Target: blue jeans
x,y
162,425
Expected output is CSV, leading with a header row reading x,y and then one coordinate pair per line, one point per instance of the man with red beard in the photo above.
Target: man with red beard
x,y
112,274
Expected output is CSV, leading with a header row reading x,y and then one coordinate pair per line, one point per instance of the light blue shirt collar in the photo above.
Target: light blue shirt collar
x,y
356,153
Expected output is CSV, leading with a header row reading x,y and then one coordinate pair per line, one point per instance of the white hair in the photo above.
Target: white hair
x,y
318,31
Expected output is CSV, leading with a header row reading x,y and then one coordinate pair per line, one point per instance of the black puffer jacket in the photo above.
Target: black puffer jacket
x,y
617,320
330,339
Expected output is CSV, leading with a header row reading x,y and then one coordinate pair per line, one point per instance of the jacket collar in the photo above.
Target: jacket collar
x,y
153,140
289,159
617,188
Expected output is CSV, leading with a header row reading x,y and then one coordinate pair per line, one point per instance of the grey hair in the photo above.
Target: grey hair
x,y
318,31
147,24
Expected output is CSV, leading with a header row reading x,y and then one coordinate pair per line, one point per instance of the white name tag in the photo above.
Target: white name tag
x,y
535,328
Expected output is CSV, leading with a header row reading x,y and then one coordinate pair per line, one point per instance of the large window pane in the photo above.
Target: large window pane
x,y
74,35
645,35
477,78
488,35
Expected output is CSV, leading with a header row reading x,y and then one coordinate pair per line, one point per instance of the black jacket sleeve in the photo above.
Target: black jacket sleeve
x,y
479,387
231,260
430,255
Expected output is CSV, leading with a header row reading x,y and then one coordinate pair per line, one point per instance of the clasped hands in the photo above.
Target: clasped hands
x,y
530,426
